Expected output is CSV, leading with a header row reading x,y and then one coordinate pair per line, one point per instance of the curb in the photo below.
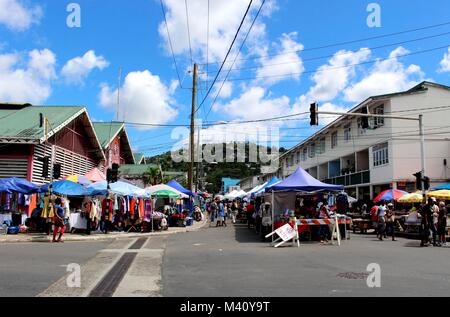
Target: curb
x,y
100,237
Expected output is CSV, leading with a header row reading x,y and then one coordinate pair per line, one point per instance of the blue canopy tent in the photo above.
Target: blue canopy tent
x,y
442,187
174,184
18,185
66,188
177,186
301,181
3,187
270,183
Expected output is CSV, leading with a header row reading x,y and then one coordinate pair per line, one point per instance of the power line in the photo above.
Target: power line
x,y
226,56
346,42
188,31
337,54
340,67
170,43
237,55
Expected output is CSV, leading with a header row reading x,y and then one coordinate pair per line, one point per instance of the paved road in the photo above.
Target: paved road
x,y
223,262
26,269
231,262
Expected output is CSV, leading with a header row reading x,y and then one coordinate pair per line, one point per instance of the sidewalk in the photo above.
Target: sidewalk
x,y
94,236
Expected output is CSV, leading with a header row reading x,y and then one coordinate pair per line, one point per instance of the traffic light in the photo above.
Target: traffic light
x,y
112,174
418,177
314,114
56,171
45,166
364,120
426,182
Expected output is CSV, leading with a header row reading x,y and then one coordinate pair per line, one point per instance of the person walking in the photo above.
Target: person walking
x,y
434,222
221,215
390,220
234,211
427,219
58,220
213,209
381,221
442,223
374,218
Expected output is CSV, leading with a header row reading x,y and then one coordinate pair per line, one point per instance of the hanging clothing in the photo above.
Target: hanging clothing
x,y
116,203
48,211
141,208
66,206
107,209
148,210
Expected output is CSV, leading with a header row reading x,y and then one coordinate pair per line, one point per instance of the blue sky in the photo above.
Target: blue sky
x,y
43,61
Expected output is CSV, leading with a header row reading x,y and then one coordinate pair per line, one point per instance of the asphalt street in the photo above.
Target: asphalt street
x,y
26,269
225,262
232,262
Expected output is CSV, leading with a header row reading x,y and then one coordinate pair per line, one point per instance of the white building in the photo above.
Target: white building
x,y
367,161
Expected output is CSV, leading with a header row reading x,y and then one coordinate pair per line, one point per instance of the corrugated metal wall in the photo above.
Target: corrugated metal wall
x,y
14,167
71,163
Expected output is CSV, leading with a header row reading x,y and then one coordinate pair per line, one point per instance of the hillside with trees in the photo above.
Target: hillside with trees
x,y
212,173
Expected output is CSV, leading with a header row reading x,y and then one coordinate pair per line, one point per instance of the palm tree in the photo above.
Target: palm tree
x,y
152,176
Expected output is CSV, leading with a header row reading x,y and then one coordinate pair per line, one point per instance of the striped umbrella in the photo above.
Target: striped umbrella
x,y
390,194
79,179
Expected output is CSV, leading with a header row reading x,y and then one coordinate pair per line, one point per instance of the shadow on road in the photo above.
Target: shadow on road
x,y
245,235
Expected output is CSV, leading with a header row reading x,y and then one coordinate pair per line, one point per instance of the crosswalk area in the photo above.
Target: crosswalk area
x,y
126,268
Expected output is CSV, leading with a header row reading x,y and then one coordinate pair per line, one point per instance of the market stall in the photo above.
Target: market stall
x,y
284,196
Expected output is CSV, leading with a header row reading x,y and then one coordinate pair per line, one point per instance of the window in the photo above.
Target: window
x,y
312,150
304,154
347,133
378,122
380,154
298,157
321,146
334,140
361,131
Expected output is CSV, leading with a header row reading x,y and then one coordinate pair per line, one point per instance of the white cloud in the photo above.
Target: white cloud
x,y
225,17
386,76
144,99
27,81
16,16
445,63
254,104
226,91
288,62
77,69
330,79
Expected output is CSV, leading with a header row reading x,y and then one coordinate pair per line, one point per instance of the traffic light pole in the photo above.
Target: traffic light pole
x,y
421,133
422,153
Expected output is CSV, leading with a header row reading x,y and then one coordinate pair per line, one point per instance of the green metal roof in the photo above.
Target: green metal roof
x,y
138,157
135,169
106,131
23,122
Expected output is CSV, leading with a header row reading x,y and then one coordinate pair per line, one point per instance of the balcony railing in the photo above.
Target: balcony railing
x,y
362,177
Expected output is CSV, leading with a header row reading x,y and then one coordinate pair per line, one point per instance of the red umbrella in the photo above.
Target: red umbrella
x,y
390,194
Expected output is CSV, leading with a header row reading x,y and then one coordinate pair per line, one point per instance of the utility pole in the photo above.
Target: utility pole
x,y
191,143
199,159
